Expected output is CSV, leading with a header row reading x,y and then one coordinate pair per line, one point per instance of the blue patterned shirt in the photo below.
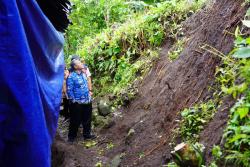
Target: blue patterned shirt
x,y
77,88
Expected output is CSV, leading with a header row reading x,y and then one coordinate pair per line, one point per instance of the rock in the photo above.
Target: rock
x,y
188,155
103,122
99,121
94,115
125,99
131,132
110,123
129,136
116,161
103,108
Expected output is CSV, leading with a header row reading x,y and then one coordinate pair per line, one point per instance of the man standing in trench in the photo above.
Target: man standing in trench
x,y
79,91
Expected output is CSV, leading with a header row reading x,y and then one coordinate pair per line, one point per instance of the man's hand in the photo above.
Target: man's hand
x,y
90,93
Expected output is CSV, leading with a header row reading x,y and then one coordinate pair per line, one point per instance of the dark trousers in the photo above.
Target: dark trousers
x,y
80,114
66,108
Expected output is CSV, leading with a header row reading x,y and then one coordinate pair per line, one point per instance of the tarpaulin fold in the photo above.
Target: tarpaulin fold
x,y
31,75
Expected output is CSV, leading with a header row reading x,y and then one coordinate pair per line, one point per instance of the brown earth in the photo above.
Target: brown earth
x,y
212,134
166,90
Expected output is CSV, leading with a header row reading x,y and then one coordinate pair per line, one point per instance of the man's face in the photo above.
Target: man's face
x,y
78,65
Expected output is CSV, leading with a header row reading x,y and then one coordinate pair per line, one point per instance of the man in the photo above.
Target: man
x,y
65,102
79,93
85,69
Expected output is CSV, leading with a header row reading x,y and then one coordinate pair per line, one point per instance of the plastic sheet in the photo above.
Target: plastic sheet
x,y
31,77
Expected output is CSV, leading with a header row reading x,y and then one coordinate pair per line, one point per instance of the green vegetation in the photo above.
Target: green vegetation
x,y
171,164
89,144
232,78
110,145
217,156
121,55
98,164
177,49
216,152
93,16
237,133
194,119
188,154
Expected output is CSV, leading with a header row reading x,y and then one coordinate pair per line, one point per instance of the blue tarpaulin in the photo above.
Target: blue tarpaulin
x,y
31,75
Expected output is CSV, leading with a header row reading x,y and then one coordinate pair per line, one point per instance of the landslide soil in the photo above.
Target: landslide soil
x,y
167,89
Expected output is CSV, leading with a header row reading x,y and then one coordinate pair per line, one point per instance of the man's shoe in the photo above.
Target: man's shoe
x,y
89,137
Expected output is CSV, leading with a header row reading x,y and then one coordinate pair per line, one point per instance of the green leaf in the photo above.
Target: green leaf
x,y
237,137
245,129
248,41
239,40
242,53
110,51
216,152
89,144
117,50
243,111
113,58
242,87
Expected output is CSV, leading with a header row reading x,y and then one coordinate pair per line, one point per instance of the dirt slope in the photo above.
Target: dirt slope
x,y
169,88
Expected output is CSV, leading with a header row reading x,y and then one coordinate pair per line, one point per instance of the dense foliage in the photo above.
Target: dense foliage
x,y
237,133
89,17
121,54
194,119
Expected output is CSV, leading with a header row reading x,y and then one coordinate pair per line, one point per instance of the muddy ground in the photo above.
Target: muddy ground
x,y
168,88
